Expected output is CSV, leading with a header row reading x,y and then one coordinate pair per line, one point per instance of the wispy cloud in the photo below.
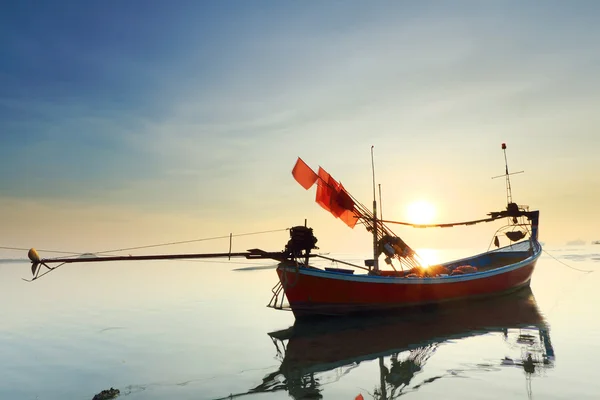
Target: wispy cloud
x,y
200,106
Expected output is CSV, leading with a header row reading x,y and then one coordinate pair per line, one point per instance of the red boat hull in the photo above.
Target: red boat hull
x,y
315,292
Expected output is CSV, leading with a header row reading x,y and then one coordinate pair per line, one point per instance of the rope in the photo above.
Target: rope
x,y
46,251
567,265
507,227
222,262
450,225
76,254
342,262
190,241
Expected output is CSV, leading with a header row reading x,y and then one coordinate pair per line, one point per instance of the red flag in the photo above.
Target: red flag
x,y
341,200
332,196
359,397
350,214
350,218
344,199
335,190
302,173
324,190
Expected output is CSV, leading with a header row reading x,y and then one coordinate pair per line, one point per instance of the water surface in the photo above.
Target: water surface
x,y
200,330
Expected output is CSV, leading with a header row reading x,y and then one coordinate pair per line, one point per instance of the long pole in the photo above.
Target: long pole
x,y
380,204
508,188
375,258
246,254
37,262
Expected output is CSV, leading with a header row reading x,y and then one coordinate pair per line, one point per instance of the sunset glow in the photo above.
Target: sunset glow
x,y
429,256
420,212
151,135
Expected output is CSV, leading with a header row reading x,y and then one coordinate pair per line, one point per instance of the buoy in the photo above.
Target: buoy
x,y
33,255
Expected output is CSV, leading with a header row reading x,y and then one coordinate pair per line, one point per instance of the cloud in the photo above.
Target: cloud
x,y
209,118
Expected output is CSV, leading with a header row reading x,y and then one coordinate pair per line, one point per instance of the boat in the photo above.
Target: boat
x,y
407,281
313,352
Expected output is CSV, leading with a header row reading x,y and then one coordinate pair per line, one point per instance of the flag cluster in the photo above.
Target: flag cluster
x,y
331,194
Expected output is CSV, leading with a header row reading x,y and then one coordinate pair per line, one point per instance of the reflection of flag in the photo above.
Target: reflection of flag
x,y
302,173
359,397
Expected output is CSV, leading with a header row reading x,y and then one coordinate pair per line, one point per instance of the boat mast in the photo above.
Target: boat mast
x,y
507,175
508,188
375,258
380,204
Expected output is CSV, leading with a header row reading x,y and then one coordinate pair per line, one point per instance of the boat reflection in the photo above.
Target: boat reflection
x,y
315,353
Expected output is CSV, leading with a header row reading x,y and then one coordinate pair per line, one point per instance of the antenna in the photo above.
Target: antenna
x,y
507,176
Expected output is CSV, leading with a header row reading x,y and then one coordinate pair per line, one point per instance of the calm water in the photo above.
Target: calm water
x,y
191,330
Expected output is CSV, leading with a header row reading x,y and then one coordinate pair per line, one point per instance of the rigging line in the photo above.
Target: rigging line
x,y
567,265
189,241
361,211
219,262
441,225
45,251
364,215
258,233
342,262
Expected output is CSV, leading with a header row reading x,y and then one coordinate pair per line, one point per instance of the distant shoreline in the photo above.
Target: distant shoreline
x,y
12,260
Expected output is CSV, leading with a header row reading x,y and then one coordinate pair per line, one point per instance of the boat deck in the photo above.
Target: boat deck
x,y
483,262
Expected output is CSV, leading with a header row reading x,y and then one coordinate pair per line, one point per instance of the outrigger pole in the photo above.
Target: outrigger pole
x,y
299,246
37,262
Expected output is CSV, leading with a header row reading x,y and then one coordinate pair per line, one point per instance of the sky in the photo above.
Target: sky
x,y
126,123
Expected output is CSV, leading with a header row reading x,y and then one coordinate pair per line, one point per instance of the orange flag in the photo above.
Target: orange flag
x,y
332,196
350,214
324,189
302,173
350,218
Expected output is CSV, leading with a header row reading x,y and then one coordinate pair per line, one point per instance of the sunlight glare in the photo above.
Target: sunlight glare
x,y
429,256
420,212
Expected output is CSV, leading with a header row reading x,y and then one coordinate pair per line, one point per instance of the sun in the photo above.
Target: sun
x,y
420,212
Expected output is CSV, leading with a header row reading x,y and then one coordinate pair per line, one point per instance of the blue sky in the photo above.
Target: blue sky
x,y
196,110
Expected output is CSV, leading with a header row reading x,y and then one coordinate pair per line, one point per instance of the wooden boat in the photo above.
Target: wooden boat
x,y
311,349
313,291
407,281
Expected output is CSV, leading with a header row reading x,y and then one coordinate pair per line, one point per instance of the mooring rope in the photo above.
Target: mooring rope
x,y
567,265
568,289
